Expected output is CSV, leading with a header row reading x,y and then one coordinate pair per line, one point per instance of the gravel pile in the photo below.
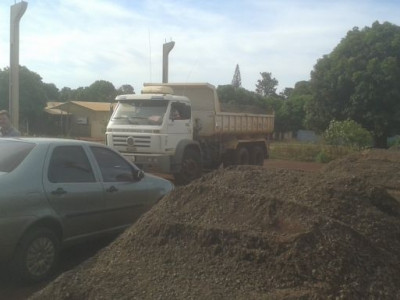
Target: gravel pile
x,y
253,233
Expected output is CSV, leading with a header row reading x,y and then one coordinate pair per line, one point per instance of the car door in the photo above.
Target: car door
x,y
126,195
74,191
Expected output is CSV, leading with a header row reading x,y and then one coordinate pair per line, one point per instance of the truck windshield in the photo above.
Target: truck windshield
x,y
140,112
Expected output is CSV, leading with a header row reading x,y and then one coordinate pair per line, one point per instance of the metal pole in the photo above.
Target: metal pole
x,y
167,47
17,11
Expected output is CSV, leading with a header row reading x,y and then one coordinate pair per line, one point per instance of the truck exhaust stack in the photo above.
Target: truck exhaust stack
x,y
167,47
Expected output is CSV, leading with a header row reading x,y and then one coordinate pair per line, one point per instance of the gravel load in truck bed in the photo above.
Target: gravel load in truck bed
x,y
254,233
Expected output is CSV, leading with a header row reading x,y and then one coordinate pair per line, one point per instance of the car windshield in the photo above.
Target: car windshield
x,y
12,153
140,112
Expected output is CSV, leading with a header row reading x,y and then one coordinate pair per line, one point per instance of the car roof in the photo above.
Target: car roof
x,y
49,140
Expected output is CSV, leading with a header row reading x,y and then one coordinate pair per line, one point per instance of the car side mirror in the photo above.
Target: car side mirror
x,y
138,174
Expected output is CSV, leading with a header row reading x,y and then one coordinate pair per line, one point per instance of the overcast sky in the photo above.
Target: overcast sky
x,y
73,43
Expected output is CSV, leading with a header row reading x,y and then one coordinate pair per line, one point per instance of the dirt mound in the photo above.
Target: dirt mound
x,y
252,233
378,167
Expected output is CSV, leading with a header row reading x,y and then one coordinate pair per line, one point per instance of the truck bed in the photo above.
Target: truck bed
x,y
226,122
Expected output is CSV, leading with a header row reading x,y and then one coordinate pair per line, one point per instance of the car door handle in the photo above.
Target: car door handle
x,y
59,191
112,189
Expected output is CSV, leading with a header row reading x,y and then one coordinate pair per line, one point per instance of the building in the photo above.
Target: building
x,y
84,119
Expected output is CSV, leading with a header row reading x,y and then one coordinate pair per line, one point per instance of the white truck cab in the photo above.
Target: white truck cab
x,y
146,128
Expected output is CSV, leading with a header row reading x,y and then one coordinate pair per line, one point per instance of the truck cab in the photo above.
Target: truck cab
x,y
148,128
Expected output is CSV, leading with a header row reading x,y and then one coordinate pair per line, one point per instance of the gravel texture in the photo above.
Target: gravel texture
x,y
256,233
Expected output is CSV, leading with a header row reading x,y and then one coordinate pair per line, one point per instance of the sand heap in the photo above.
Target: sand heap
x,y
252,233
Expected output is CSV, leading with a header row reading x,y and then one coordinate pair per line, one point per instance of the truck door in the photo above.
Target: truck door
x,y
179,123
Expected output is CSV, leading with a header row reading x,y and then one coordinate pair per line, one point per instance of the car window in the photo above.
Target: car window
x,y
12,154
112,166
70,164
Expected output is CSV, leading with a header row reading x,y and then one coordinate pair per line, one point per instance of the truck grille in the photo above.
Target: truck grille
x,y
137,141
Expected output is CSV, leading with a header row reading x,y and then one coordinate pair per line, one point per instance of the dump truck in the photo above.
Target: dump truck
x,y
179,129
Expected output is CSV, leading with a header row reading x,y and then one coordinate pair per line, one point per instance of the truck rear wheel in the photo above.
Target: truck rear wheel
x,y
191,168
242,156
257,156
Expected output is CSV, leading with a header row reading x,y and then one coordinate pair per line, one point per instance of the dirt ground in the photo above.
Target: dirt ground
x,y
258,233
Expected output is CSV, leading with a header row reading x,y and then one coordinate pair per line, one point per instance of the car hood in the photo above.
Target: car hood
x,y
161,185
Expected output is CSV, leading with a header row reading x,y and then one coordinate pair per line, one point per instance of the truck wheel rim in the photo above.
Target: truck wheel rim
x,y
40,256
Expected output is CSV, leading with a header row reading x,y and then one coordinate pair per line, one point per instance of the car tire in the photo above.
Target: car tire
x,y
36,255
257,156
191,167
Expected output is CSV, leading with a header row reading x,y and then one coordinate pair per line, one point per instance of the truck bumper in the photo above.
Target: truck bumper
x,y
151,162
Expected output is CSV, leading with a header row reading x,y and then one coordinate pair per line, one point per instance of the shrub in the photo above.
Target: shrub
x,y
322,157
347,133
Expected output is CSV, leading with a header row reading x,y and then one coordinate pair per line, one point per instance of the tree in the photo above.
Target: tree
x,y
359,80
266,86
33,95
125,89
290,114
237,80
52,92
240,99
66,94
98,91
101,91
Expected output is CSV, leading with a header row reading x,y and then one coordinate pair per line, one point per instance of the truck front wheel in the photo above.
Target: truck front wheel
x,y
191,168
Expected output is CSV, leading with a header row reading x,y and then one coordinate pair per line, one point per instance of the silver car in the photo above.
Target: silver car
x,y
55,192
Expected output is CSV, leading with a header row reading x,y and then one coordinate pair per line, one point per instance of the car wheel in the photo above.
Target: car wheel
x,y
242,156
191,168
257,156
36,255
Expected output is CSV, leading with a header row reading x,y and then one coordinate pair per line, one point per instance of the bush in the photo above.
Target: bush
x,y
347,133
307,151
322,157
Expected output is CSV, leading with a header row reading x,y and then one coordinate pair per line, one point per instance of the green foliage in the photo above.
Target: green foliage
x,y
322,157
243,98
395,142
347,133
237,79
125,89
266,86
359,80
291,112
307,152
33,95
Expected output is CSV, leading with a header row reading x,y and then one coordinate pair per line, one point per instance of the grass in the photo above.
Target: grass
x,y
307,151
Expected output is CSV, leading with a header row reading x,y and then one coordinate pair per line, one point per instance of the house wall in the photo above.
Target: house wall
x,y
87,123
99,124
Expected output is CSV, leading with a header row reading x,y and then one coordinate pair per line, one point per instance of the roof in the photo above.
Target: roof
x,y
95,106
50,108
48,140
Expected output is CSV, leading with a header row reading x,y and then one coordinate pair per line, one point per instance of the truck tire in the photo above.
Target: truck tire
x,y
257,156
242,156
36,255
191,168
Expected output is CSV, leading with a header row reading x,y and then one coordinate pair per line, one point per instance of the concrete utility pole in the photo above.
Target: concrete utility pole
x,y
17,11
167,47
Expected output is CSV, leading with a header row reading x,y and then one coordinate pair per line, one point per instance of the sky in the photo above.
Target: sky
x,y
73,43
